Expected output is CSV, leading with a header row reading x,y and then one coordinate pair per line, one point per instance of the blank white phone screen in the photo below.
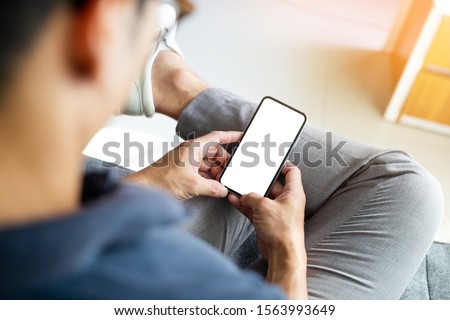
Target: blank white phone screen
x,y
263,148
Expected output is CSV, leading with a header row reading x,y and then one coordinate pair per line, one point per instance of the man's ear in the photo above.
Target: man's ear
x,y
84,38
92,30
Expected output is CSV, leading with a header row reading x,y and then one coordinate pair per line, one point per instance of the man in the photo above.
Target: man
x,y
65,67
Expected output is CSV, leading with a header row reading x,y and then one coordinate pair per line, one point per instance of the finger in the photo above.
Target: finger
x,y
213,168
216,172
215,161
217,169
212,151
217,137
217,153
234,200
205,175
209,188
293,178
206,165
277,189
220,137
251,200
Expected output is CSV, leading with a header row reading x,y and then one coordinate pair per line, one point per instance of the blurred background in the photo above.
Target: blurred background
x,y
377,71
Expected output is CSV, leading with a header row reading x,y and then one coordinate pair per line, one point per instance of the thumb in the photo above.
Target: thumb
x,y
251,200
210,188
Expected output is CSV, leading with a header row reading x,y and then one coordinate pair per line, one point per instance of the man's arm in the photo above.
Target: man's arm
x,y
287,269
279,226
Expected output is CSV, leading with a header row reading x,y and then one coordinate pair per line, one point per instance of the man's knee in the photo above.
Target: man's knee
x,y
430,193
412,181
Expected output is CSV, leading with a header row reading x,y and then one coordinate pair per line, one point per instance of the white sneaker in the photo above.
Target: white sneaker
x,y
140,101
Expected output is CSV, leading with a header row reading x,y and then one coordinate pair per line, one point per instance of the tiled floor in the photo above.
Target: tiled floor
x,y
322,56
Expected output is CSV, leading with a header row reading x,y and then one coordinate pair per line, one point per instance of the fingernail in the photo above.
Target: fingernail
x,y
224,191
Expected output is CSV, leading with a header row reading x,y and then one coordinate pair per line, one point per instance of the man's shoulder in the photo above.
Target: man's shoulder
x,y
166,264
37,253
123,245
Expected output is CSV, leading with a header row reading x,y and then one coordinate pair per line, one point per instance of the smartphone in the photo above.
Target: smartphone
x,y
264,148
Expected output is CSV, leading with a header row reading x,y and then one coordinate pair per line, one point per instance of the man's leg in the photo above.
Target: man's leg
x,y
368,224
371,214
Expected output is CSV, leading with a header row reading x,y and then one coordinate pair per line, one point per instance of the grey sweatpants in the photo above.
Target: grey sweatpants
x,y
370,219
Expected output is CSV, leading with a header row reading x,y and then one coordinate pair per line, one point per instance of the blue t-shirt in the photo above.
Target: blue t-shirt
x,y
123,244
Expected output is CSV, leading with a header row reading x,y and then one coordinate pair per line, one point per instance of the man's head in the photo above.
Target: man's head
x,y
70,60
65,67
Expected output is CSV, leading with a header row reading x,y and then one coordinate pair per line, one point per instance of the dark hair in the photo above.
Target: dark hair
x,y
20,23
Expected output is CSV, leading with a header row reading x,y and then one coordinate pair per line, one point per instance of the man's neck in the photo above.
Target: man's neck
x,y
39,180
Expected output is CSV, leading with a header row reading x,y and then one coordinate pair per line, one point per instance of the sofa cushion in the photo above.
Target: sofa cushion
x,y
431,282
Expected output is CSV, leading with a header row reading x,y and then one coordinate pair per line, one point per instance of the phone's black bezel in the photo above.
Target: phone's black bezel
x,y
287,153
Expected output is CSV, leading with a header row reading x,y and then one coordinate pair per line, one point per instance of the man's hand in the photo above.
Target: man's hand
x,y
279,225
191,169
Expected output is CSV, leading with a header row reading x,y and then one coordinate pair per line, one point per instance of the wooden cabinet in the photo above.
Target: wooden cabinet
x,y
422,94
429,98
439,53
